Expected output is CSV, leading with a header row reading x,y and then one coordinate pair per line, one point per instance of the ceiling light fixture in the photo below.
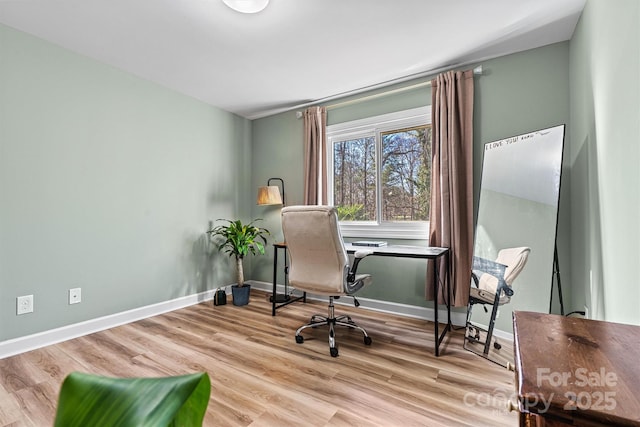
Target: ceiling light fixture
x,y
247,6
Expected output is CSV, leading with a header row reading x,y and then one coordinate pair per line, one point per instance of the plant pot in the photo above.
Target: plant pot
x,y
241,294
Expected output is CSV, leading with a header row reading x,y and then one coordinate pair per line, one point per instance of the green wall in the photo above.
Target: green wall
x,y
107,183
516,94
604,158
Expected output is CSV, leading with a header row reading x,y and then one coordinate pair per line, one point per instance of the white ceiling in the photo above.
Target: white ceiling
x,y
295,51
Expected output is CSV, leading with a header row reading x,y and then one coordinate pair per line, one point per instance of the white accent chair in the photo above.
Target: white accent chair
x,y
319,264
492,285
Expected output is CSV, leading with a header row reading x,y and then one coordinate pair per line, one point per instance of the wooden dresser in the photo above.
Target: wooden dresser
x,y
573,371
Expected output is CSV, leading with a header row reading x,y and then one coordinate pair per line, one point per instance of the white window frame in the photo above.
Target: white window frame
x,y
375,126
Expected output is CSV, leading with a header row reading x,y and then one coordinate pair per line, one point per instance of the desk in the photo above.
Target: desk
x,y
398,251
573,371
421,252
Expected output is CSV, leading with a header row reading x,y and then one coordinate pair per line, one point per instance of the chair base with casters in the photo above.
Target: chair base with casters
x,y
332,321
491,286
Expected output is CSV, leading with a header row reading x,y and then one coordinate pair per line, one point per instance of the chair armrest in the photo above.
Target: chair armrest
x,y
476,281
357,257
508,290
361,253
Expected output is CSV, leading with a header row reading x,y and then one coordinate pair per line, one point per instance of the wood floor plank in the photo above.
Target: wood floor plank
x,y
261,377
10,411
38,402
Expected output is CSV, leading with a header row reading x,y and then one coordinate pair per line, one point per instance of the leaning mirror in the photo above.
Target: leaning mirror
x,y
513,264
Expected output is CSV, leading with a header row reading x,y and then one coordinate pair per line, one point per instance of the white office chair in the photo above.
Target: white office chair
x,y
319,264
492,281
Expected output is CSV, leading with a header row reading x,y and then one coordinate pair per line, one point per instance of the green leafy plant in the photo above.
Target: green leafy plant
x,y
91,400
351,212
238,239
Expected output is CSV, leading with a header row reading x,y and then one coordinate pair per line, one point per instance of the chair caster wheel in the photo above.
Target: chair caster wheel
x,y
367,340
333,351
299,339
497,346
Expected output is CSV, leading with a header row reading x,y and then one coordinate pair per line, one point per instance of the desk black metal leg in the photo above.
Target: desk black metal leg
x,y
275,278
436,278
286,298
436,290
450,326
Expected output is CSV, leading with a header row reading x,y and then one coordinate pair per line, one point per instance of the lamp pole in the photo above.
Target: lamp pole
x,y
281,184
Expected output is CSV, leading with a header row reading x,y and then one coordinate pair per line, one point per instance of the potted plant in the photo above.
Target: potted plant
x,y
238,240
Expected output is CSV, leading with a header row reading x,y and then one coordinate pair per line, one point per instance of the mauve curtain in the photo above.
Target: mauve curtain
x,y
451,217
315,158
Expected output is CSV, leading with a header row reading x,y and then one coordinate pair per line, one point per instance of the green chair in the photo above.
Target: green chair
x,y
91,400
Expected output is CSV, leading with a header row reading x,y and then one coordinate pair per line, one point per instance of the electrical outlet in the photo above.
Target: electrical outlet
x,y
25,304
75,295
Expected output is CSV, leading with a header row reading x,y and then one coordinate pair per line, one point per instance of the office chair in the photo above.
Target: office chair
x,y
319,264
491,285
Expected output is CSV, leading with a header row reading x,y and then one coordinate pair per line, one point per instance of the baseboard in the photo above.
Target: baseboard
x,y
457,318
42,339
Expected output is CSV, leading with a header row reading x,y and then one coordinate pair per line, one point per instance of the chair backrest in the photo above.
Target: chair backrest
x,y
318,259
514,259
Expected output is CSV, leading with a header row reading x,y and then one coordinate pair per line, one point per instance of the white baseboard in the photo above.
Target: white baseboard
x,y
31,342
42,339
458,318
406,310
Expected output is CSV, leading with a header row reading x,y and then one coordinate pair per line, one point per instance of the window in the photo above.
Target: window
x,y
380,174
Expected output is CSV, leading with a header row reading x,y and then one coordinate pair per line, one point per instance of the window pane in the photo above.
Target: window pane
x,y
406,174
354,179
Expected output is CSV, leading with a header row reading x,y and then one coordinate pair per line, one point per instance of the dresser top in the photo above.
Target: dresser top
x,y
577,370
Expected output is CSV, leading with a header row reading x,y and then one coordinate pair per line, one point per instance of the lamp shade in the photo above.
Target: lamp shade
x,y
269,195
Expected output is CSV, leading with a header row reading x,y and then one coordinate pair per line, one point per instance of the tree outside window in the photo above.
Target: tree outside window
x,y
380,174
406,174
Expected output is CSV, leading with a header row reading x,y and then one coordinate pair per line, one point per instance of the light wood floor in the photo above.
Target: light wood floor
x,y
261,377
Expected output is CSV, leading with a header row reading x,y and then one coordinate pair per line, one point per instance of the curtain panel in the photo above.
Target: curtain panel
x,y
315,159
451,216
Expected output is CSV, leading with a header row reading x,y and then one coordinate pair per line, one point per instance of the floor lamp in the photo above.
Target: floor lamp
x,y
270,195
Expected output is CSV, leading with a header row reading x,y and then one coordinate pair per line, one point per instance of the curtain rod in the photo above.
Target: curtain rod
x,y
476,71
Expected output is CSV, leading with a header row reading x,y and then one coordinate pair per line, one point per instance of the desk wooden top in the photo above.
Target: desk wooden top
x,y
579,371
